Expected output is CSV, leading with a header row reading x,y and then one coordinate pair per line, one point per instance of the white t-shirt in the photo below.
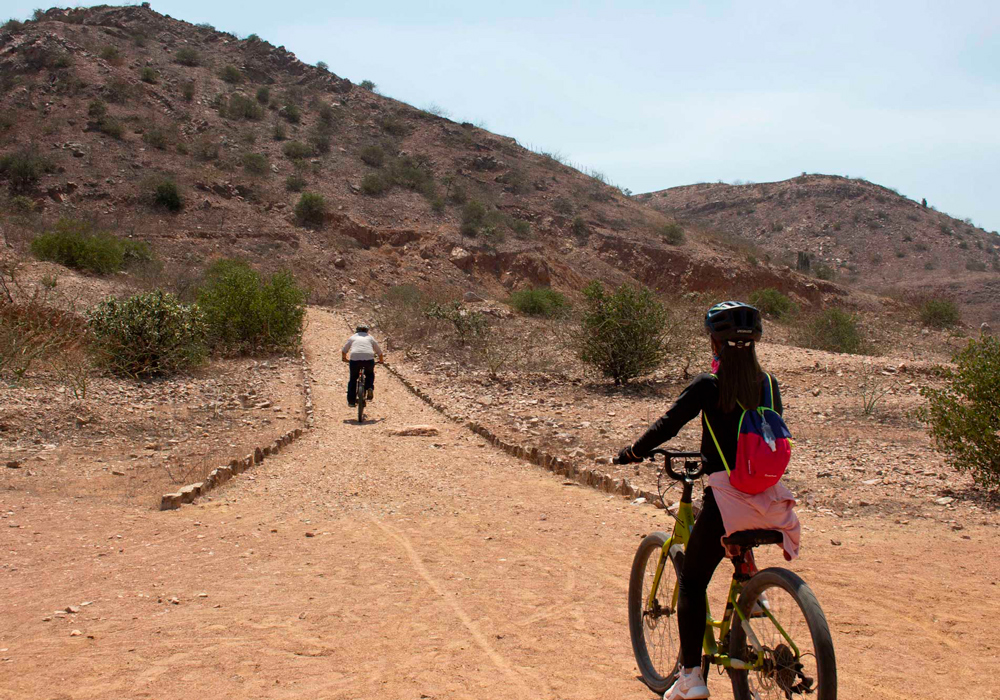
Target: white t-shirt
x,y
361,346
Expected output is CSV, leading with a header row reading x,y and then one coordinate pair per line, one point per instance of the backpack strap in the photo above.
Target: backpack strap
x,y
770,390
711,432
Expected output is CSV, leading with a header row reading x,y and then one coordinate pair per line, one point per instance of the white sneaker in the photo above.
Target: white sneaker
x,y
688,686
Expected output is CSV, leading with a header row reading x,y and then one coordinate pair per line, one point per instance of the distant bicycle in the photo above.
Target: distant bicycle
x,y
773,637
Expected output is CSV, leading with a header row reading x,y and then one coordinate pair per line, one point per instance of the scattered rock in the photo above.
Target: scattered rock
x,y
13,464
75,633
835,543
944,500
415,431
310,534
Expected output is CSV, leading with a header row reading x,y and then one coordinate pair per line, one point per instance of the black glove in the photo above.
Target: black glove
x,y
628,456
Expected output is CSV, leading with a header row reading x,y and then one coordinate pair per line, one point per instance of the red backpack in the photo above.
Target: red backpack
x,y
763,447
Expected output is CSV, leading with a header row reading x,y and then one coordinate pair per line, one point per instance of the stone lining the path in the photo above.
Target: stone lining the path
x,y
220,475
587,477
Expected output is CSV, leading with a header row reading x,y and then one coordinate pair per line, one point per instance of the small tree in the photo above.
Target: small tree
x,y
771,302
964,417
624,334
673,234
246,313
834,330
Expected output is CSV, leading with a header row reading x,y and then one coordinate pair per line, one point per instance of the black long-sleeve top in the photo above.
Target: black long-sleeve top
x,y
702,396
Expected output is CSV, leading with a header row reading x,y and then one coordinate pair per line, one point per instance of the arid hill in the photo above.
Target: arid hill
x,y
108,104
854,232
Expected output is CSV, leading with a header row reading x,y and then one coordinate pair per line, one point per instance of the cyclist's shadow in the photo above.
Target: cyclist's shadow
x,y
368,421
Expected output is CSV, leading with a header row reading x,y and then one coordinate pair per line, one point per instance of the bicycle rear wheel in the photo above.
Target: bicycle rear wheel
x,y
812,671
653,625
359,395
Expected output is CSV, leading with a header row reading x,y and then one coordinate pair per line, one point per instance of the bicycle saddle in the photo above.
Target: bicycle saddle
x,y
753,538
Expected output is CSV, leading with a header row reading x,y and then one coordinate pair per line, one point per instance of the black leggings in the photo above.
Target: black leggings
x,y
703,554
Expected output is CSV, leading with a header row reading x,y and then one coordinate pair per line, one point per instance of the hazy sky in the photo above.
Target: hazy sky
x,y
660,93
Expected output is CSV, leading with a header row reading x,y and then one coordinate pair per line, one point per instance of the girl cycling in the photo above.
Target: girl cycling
x,y
737,383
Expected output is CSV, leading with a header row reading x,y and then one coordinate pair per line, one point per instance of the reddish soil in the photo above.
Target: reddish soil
x,y
437,568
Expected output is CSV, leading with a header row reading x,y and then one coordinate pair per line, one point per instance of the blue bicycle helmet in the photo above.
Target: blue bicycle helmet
x,y
734,320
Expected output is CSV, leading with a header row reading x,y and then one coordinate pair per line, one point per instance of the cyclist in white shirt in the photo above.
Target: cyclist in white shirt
x,y
360,351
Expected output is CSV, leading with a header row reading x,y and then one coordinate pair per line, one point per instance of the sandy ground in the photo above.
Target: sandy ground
x,y
437,568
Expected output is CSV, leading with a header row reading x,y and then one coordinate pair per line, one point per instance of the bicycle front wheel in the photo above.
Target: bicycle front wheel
x,y
791,629
652,619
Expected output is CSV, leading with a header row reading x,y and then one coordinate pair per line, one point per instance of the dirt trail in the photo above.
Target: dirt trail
x,y
437,568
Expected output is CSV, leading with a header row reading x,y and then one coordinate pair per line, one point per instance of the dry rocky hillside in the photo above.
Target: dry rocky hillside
x,y
113,101
853,231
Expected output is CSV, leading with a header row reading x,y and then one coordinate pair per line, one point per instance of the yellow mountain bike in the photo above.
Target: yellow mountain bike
x,y
773,638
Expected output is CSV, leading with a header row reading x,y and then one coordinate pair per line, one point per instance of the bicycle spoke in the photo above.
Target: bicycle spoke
x,y
660,622
785,674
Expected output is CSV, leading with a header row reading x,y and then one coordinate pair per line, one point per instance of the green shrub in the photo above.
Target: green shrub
x,y
256,164
543,301
473,218
975,266
148,74
964,416
563,206
77,245
231,74
147,335
376,184
469,325
279,133
414,173
834,330
579,227
771,302
263,94
295,183
118,91
111,54
311,209
623,334
368,85
22,170
13,26
241,107
294,150
187,91
320,143
109,126
188,56
323,65
823,272
157,137
939,313
291,113
163,192
246,313
327,116
672,234
97,109
393,126
373,156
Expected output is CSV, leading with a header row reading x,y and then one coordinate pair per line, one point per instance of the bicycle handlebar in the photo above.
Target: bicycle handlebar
x,y
694,463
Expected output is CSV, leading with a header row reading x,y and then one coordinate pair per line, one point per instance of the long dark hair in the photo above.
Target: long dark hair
x,y
739,375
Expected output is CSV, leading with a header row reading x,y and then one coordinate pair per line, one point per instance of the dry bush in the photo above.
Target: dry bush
x,y
873,386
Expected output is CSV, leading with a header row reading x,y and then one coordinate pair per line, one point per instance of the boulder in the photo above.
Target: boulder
x,y
415,431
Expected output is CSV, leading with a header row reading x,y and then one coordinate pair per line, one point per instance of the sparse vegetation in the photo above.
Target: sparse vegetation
x,y
672,234
77,245
240,107
939,313
823,272
23,169
469,326
118,91
162,192
187,91
624,334
373,156
964,416
368,85
295,183
975,266
157,137
188,56
111,54
147,335
256,164
311,209
579,227
376,184
294,150
323,65
291,113
771,302
873,386
541,301
246,313
394,126
263,94
231,74
148,75
563,206
834,330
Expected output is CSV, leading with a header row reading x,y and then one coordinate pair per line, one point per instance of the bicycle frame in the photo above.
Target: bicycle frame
x,y
677,543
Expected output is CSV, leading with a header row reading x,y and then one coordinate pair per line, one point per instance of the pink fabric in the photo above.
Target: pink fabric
x,y
771,509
